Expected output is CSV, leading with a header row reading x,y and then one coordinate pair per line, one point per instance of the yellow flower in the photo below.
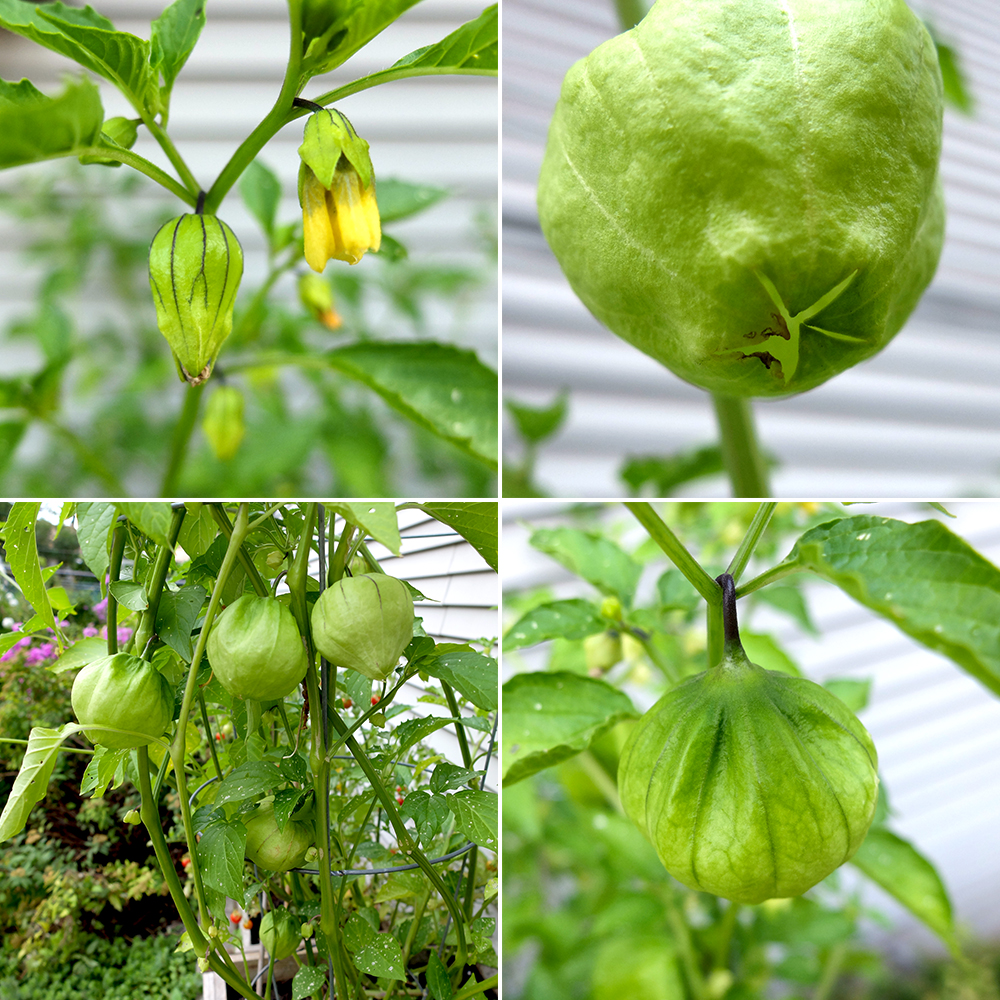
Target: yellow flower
x,y
337,192
340,221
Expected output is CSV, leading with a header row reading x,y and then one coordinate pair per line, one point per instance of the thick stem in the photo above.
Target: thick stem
x,y
157,579
731,629
740,451
181,436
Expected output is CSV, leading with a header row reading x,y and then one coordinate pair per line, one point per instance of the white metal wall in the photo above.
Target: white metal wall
x,y
435,130
937,730
920,419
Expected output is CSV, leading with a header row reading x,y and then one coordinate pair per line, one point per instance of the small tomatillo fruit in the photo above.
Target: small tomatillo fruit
x,y
748,190
751,784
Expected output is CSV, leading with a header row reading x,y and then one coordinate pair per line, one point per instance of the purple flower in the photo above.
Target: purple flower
x,y
47,650
124,634
89,631
100,610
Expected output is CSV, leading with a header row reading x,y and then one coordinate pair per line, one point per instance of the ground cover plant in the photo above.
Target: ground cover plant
x,y
249,723
696,850
357,351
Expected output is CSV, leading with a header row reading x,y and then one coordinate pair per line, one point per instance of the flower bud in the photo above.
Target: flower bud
x,y
122,132
337,192
195,266
317,296
223,423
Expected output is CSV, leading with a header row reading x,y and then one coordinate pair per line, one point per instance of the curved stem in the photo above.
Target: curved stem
x,y
740,451
168,147
388,76
276,118
144,166
181,436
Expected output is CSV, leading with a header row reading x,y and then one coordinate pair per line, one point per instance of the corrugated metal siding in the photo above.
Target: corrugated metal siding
x,y
937,730
920,419
439,130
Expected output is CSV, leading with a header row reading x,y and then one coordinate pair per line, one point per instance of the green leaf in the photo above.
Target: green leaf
x,y
854,694
764,650
932,584
909,877
414,730
437,978
400,199
220,857
176,615
251,780
32,781
91,40
572,619
427,811
130,594
792,602
659,477
93,527
22,554
597,559
374,953
198,530
377,517
333,30
173,36
81,653
308,981
34,127
473,46
550,717
261,193
474,675
152,519
636,966
476,816
536,423
448,391
476,522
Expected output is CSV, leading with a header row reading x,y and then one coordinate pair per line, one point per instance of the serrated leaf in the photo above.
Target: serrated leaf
x,y
251,780
536,423
447,776
378,518
374,953
106,767
476,816
476,522
173,36
22,554
427,811
597,559
176,615
220,857
34,128
32,781
932,584
909,877
550,717
441,388
472,674
152,519
400,199
414,730
572,619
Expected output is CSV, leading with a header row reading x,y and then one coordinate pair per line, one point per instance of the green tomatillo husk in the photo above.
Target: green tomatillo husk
x,y
195,266
748,190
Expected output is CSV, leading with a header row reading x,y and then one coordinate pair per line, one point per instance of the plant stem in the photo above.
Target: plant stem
x,y
259,586
387,76
156,581
168,147
182,435
831,970
276,118
675,551
740,452
728,924
750,539
767,577
471,988
151,170
630,12
682,939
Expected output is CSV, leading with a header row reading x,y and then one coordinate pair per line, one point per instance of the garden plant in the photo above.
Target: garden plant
x,y
748,783
193,265
749,193
257,721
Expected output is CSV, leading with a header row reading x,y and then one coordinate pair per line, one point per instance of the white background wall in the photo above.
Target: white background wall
x,y
937,730
920,419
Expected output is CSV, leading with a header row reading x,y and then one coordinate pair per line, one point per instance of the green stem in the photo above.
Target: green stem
x,y
471,988
726,928
151,818
659,661
114,572
605,785
750,540
685,947
388,76
675,551
181,436
740,451
168,147
222,519
178,748
158,577
831,971
151,170
769,576
276,118
630,12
